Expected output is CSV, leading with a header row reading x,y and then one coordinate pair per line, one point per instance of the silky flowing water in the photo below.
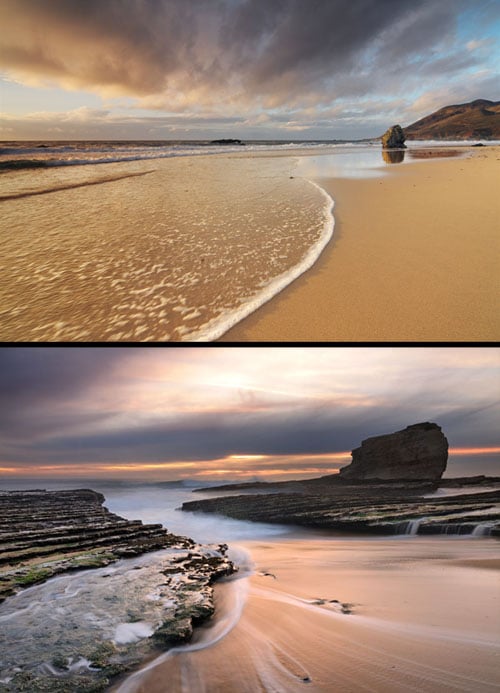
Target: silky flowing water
x,y
420,612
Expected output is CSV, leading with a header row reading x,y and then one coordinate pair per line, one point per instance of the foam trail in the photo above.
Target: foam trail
x,y
482,530
413,525
111,179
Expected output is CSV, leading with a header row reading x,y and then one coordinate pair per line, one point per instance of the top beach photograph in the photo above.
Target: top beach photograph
x,y
250,171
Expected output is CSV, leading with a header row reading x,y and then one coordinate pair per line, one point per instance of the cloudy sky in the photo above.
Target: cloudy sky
x,y
286,69
236,413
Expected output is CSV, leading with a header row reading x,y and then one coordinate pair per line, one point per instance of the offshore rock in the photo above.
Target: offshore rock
x,y
394,138
419,452
227,141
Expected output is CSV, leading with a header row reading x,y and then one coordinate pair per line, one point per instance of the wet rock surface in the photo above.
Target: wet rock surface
x,y
45,533
88,627
419,452
370,509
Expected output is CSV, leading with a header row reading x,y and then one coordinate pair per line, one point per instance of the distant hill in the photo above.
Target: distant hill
x,y
478,119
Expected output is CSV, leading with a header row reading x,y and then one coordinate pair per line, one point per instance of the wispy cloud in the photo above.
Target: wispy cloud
x,y
252,409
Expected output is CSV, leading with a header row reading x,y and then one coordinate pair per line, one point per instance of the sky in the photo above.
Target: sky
x,y
236,413
255,69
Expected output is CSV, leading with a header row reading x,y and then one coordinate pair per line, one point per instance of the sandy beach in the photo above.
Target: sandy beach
x,y
414,257
239,246
423,617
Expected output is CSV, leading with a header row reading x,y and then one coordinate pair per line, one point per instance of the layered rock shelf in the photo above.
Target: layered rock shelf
x,y
373,509
48,533
44,533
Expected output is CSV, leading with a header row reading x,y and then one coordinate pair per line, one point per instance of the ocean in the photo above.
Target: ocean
x,y
161,241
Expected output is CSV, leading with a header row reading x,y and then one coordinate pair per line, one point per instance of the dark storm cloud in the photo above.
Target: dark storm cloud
x,y
30,376
253,48
128,43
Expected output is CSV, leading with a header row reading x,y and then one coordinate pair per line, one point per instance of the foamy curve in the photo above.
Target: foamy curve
x,y
223,625
219,326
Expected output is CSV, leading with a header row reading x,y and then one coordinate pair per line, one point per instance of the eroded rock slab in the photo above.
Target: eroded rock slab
x,y
83,630
419,452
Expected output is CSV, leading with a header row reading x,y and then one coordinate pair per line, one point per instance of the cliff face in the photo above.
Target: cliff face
x,y
478,119
419,452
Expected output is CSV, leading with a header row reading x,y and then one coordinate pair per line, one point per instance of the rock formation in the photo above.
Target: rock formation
x,y
419,452
367,509
46,533
394,138
227,141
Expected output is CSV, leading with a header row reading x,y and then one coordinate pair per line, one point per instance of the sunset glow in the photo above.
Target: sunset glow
x,y
232,414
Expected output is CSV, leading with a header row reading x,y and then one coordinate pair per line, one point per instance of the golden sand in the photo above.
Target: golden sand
x,y
415,256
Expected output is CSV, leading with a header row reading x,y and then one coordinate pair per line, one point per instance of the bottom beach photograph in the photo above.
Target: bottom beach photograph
x,y
228,519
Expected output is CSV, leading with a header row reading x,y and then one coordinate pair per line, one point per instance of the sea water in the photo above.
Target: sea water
x,y
171,248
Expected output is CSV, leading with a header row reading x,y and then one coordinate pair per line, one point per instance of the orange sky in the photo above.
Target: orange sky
x,y
237,467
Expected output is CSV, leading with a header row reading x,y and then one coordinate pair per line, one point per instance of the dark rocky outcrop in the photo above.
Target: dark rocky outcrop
x,y
419,452
394,138
478,119
387,489
227,141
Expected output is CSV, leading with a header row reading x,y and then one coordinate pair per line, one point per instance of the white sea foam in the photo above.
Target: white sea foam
x,y
132,632
219,326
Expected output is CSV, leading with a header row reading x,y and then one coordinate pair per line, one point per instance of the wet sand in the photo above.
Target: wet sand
x,y
424,617
414,257
161,250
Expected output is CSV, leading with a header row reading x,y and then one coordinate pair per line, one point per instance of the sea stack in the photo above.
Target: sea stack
x,y
394,138
419,452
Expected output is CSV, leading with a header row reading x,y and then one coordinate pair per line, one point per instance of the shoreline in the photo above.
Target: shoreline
x,y
346,615
220,327
163,269
440,284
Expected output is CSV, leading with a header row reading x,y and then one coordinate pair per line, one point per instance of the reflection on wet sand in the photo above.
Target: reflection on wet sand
x,y
434,153
393,156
